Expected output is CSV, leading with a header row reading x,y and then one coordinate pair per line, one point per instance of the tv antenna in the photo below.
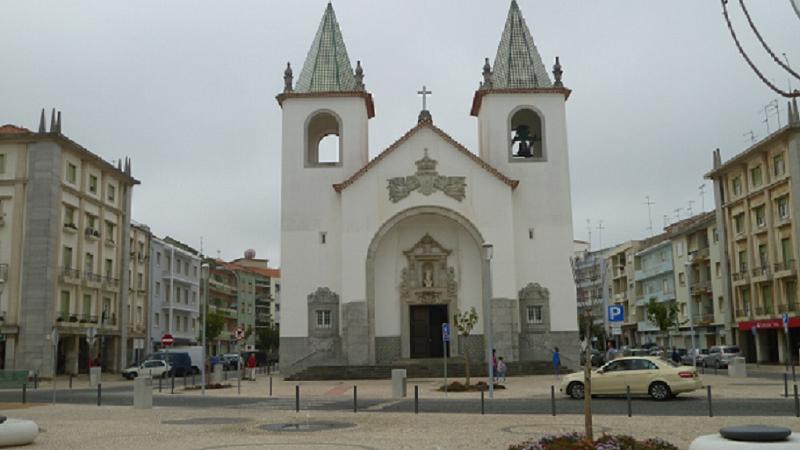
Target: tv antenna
x,y
600,229
649,212
751,135
702,190
689,209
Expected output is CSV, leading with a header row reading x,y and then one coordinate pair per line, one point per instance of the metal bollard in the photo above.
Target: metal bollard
x,y
553,400
296,398
159,383
710,409
36,380
184,381
99,393
172,387
794,379
70,380
416,399
24,393
785,384
482,410
355,399
193,383
628,398
796,403
270,386
239,385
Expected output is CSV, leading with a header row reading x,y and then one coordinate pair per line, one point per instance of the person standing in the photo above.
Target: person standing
x,y
494,365
502,369
556,362
611,353
251,366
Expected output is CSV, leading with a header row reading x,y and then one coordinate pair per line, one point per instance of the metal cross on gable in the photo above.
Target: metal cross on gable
x,y
424,93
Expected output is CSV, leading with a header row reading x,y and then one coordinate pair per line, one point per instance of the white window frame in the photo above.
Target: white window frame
x,y
535,314
324,318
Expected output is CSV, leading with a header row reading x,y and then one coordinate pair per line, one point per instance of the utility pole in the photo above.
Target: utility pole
x,y
751,135
589,229
702,189
649,212
600,229
689,210
786,58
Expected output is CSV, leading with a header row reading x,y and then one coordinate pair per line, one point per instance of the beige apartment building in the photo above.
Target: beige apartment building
x,y
758,203
704,307
64,223
623,292
138,292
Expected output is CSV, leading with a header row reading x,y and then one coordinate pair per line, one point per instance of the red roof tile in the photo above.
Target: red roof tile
x,y
13,129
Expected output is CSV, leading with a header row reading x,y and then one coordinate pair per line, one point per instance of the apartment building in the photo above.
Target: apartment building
x,y
139,291
174,293
622,271
592,283
64,256
653,280
223,299
704,306
757,203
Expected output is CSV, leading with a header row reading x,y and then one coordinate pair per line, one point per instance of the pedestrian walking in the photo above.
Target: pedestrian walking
x,y
494,365
502,369
675,356
611,353
251,366
556,362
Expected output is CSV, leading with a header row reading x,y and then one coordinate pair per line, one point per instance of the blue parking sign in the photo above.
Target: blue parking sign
x,y
446,332
616,313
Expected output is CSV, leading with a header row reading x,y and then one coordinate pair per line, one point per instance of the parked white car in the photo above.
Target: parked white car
x,y
152,368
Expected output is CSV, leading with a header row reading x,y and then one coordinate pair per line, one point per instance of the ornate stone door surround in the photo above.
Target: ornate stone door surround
x,y
373,247
426,280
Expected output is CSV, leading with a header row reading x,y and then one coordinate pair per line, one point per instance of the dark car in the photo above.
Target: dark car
x,y
598,358
180,362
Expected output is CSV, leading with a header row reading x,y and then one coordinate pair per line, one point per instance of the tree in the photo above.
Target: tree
x,y
267,339
663,315
464,323
215,322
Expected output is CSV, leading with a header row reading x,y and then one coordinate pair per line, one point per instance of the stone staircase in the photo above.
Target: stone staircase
x,y
417,368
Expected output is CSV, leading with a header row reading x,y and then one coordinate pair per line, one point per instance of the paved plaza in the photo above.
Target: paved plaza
x,y
226,419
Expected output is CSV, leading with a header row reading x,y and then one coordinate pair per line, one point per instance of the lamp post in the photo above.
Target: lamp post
x,y
204,270
487,312
688,266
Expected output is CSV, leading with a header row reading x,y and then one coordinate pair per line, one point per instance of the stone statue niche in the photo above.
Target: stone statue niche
x,y
427,279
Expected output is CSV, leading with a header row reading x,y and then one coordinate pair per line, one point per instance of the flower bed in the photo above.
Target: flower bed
x,y
456,386
577,441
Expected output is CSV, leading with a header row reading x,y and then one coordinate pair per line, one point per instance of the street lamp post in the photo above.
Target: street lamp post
x,y
204,271
688,267
487,312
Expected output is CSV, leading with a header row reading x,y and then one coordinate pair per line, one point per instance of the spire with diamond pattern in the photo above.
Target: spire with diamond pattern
x,y
327,67
518,64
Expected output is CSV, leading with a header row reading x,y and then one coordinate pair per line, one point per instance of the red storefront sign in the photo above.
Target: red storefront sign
x,y
770,324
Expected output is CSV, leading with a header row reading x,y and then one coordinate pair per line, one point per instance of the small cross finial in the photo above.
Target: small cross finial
x,y
424,93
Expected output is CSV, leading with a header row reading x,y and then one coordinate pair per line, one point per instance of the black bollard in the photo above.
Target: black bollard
x,y
355,399
270,386
36,380
172,387
482,410
99,393
785,384
628,397
297,398
710,409
159,383
184,381
796,403
239,385
553,400
794,380
24,393
416,399
70,380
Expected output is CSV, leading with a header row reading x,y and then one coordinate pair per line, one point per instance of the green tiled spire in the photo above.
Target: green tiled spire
x,y
518,64
327,67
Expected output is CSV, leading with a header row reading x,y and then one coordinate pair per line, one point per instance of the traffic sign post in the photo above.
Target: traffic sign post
x,y
789,355
445,340
616,313
167,340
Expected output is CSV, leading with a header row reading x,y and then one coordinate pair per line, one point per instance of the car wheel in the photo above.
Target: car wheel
x,y
134,375
659,391
575,390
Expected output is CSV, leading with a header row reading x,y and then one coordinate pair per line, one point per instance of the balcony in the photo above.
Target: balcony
x,y
792,307
658,296
742,277
703,319
646,325
66,318
192,307
701,287
785,268
653,270
180,277
761,272
92,234
70,228
70,275
740,313
699,255
92,277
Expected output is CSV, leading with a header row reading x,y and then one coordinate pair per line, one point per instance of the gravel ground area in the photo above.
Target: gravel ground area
x,y
86,427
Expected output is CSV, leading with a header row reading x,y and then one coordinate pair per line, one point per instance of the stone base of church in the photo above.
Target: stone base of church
x,y
298,353
387,349
539,347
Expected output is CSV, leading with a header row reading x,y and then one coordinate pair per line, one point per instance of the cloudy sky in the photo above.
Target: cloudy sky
x,y
186,89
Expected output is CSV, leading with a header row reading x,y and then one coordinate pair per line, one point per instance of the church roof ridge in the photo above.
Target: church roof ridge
x,y
327,67
339,187
518,63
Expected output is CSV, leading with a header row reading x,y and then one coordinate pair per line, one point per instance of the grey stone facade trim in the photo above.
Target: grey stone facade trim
x,y
323,299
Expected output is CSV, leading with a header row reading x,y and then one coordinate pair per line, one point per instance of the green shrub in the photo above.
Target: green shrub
x,y
577,441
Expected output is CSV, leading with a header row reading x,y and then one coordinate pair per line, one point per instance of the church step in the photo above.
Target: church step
x,y
417,369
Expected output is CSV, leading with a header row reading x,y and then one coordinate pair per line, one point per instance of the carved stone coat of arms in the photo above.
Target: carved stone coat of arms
x,y
427,181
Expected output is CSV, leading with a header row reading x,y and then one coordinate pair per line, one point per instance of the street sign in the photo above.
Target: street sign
x,y
446,332
167,340
616,329
91,333
754,330
616,313
238,333
785,322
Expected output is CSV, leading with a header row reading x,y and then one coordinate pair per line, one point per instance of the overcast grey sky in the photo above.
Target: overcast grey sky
x,y
186,89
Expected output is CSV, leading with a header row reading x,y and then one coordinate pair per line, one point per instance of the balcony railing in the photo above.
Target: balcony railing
x,y
792,306
768,309
785,266
93,277
739,313
704,319
70,273
111,281
741,276
759,311
699,255
761,271
701,286
4,271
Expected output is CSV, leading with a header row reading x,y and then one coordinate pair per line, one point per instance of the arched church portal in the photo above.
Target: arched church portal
x,y
423,265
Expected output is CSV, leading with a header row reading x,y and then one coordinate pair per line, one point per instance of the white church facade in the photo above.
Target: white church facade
x,y
377,254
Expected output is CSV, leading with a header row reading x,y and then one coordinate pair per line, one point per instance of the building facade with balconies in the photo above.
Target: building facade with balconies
x,y
653,280
704,305
757,202
174,293
592,282
621,270
139,291
64,250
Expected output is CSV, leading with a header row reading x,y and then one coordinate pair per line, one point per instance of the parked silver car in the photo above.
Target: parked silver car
x,y
720,355
701,356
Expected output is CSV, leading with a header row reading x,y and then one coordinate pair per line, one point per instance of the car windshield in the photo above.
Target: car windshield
x,y
670,362
730,350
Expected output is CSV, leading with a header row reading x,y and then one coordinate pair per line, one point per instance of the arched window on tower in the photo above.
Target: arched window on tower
x,y
526,136
323,140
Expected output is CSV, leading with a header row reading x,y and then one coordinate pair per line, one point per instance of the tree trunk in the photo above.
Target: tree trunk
x,y
587,381
466,366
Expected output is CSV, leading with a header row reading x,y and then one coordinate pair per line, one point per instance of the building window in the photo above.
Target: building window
x,y
738,223
761,216
72,173
786,250
324,318
140,281
93,184
66,257
69,215
762,255
65,307
2,163
91,221
112,193
110,226
158,288
526,135
743,261
766,298
783,207
755,176
534,314
737,186
158,258
778,167
323,144
679,248
88,263
791,293
157,320
718,270
323,237
715,234
682,279
87,305
109,267
720,303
